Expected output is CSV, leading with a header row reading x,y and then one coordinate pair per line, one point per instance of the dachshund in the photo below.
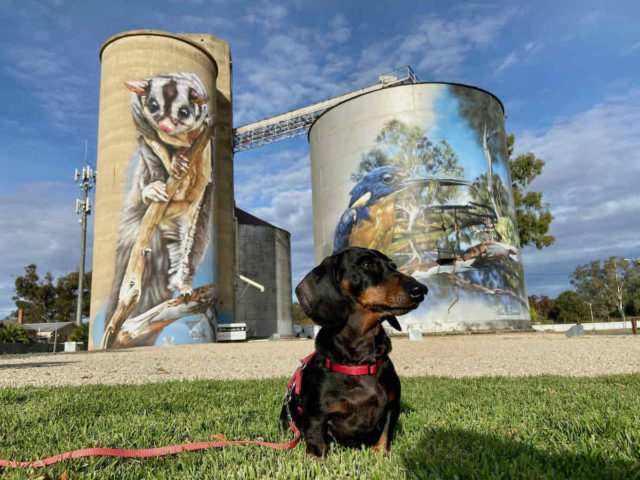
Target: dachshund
x,y
350,392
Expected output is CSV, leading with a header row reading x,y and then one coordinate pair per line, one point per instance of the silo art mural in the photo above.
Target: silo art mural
x,y
155,212
423,177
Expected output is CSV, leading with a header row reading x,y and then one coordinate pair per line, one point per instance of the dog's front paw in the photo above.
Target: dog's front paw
x,y
384,449
317,452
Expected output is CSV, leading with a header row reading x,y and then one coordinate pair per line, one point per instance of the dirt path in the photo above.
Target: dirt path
x,y
511,354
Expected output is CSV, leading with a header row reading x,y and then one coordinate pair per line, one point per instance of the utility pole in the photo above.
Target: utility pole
x,y
635,262
87,179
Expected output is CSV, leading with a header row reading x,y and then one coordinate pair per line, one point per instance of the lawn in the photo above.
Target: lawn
x,y
532,427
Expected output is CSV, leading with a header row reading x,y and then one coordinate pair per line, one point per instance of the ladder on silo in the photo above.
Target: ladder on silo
x,y
297,122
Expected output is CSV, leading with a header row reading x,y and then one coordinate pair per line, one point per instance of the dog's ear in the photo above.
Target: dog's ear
x,y
320,297
393,321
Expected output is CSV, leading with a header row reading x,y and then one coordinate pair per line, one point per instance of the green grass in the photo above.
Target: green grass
x,y
535,427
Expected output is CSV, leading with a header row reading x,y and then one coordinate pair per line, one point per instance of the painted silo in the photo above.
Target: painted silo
x,y
420,172
164,200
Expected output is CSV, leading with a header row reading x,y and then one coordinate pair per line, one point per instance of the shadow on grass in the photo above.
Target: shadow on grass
x,y
451,454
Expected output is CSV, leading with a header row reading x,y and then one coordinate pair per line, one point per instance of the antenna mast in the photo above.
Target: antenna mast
x,y
87,179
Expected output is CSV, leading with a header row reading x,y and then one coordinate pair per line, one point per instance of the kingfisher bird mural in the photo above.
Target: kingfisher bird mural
x,y
370,219
432,193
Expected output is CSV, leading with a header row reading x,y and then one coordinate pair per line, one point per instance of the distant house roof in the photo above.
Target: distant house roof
x,y
46,327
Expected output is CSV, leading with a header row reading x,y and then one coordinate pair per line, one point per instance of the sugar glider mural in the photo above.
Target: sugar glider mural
x,y
166,219
432,190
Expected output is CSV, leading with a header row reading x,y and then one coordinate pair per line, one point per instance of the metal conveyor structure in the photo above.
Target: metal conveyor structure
x,y
297,122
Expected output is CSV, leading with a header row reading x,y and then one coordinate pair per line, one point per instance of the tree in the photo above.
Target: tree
x,y
533,216
569,307
42,301
606,285
542,307
67,296
632,294
299,317
36,297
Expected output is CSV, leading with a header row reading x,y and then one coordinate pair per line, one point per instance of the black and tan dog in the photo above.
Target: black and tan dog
x,y
349,295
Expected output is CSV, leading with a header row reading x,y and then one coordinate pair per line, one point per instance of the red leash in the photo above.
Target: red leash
x,y
150,452
294,386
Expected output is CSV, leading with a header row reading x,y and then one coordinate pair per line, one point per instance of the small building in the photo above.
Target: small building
x,y
45,332
264,258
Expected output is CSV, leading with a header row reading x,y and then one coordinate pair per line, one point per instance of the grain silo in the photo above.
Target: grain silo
x,y
264,259
420,172
163,232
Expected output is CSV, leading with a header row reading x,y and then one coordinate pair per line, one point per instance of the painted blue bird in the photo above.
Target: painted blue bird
x,y
370,219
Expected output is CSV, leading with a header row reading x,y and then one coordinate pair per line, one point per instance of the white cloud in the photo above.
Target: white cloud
x,y
340,31
533,47
291,210
508,62
302,65
293,71
37,68
598,16
436,45
277,188
38,225
205,22
525,55
267,14
262,186
590,181
631,49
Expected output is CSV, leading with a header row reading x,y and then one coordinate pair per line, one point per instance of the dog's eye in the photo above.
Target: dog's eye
x,y
370,264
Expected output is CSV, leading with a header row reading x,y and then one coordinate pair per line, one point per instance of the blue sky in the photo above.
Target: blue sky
x,y
567,72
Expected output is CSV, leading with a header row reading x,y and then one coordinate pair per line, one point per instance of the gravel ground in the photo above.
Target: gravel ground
x,y
509,354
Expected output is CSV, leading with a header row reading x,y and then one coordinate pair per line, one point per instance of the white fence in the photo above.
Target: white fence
x,y
563,327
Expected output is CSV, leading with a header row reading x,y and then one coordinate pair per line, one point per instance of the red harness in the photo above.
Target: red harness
x,y
296,380
295,384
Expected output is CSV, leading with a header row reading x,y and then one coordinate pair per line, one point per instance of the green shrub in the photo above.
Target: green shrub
x,y
10,333
80,334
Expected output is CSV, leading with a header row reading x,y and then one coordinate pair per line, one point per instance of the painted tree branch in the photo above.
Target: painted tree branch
x,y
145,328
131,287
460,282
466,261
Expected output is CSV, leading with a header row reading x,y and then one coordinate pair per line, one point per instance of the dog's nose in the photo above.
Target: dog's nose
x,y
417,291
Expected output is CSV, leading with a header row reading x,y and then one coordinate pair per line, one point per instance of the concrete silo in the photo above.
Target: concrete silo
x,y
420,172
163,232
264,256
